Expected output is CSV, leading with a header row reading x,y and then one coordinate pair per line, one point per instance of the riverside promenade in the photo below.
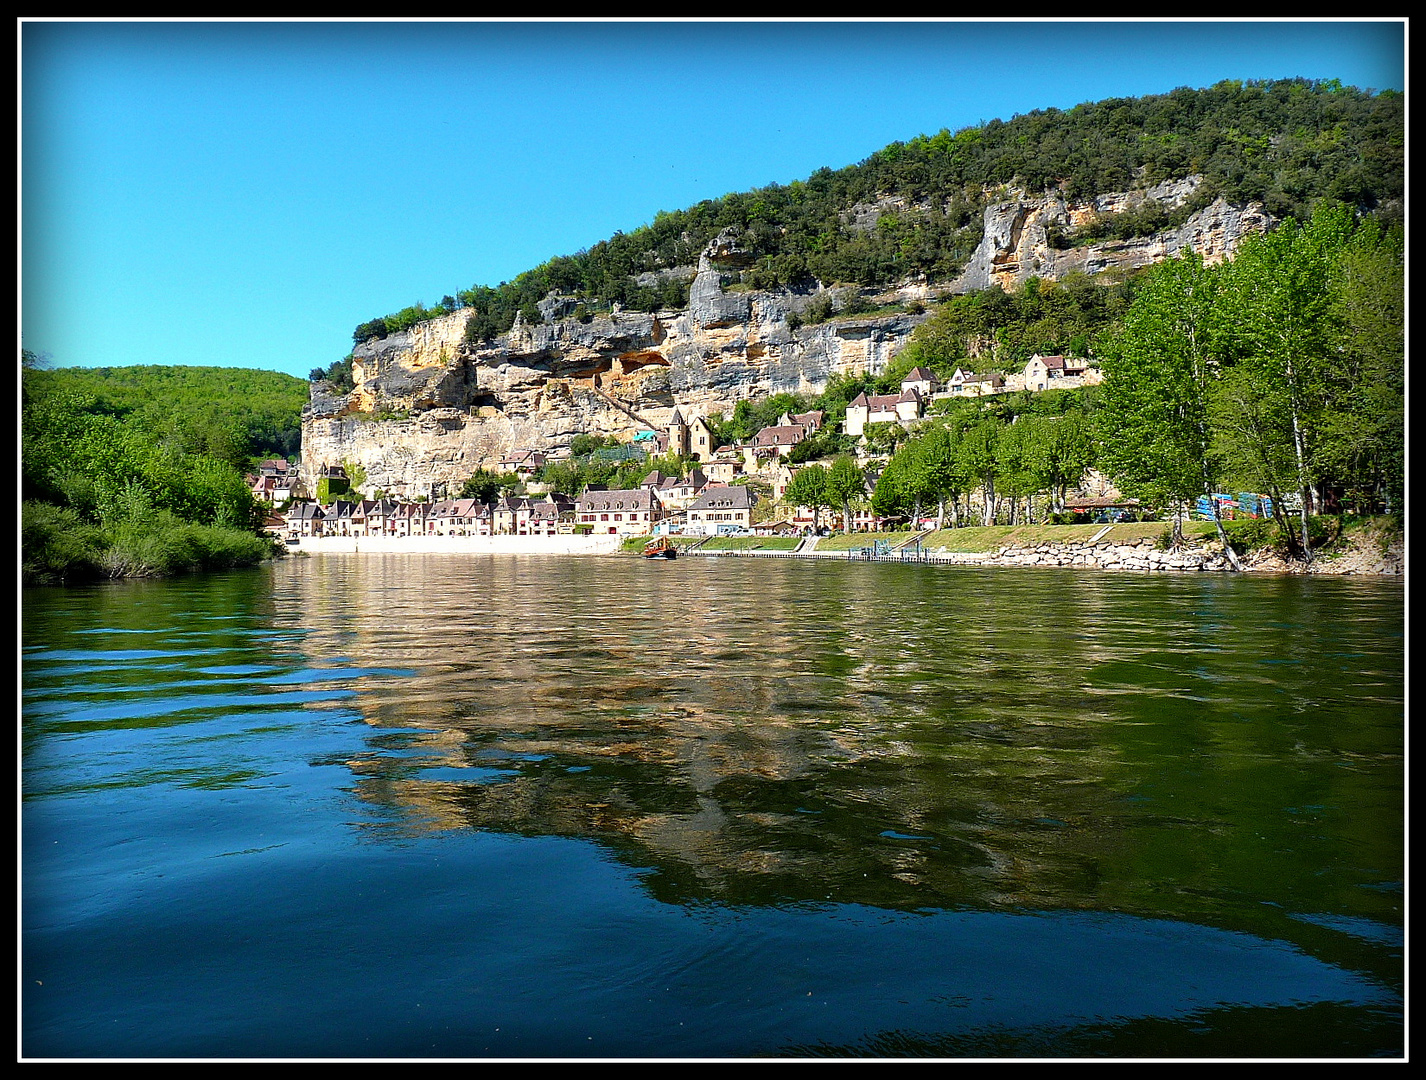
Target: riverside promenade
x,y
457,545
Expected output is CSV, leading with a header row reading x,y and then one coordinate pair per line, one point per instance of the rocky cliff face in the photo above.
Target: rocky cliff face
x,y
1017,241
429,408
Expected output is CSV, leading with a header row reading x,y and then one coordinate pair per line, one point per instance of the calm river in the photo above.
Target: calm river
x,y
436,806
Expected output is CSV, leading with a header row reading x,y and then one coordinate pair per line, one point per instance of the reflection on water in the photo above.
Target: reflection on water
x,y
632,809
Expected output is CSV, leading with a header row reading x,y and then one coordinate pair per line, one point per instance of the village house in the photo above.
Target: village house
x,y
975,384
902,408
626,513
658,483
458,517
687,438
381,518
523,463
922,380
1042,371
807,421
410,519
865,519
507,513
782,526
548,516
337,482
724,466
339,517
306,519
779,474
777,441
721,510
275,482
677,494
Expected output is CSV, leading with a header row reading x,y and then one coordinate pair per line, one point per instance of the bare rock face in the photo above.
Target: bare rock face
x,y
429,408
1016,243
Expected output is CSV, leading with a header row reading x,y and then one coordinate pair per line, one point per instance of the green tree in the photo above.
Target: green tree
x,y
1278,285
1363,437
976,458
892,497
845,482
1158,369
808,487
486,487
1291,399
1015,470
1061,452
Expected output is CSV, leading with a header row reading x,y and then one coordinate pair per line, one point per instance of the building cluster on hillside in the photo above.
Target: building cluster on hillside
x,y
709,499
920,388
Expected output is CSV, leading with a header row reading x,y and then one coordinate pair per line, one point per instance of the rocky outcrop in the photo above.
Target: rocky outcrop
x,y
1017,241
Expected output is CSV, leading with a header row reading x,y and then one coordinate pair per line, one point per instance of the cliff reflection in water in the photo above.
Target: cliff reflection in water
x,y
895,735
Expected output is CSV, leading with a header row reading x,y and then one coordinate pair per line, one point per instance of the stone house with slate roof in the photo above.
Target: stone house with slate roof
x,y
720,510
625,513
306,519
1041,372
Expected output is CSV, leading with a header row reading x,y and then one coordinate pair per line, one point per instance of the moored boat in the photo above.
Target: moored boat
x,y
660,548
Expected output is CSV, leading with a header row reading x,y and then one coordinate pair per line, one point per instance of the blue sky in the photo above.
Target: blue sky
x,y
244,194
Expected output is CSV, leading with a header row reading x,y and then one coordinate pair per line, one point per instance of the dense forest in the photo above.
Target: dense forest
x,y
1287,144
138,471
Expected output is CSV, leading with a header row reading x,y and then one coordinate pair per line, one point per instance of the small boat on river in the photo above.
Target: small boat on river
x,y
660,548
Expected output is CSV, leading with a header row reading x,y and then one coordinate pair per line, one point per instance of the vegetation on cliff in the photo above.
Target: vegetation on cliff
x,y
132,472
1286,143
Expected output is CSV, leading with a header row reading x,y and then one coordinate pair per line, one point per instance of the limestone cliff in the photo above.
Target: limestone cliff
x,y
429,408
1016,244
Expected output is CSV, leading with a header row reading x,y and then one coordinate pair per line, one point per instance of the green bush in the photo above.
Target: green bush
x,y
1246,536
57,545
165,545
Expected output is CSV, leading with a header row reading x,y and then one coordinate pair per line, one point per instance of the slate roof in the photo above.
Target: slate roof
x,y
597,501
725,498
